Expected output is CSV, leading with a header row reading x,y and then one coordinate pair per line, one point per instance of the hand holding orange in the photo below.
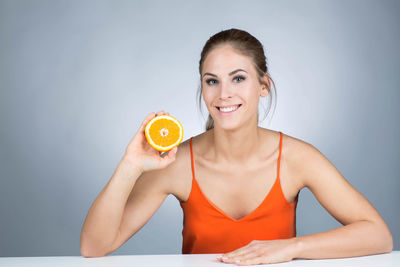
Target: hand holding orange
x,y
158,132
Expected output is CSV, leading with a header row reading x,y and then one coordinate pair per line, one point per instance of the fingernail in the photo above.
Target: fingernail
x,y
237,261
224,258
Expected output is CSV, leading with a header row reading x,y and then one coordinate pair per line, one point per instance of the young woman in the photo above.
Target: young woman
x,y
237,183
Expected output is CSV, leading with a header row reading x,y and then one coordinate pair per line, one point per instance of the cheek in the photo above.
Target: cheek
x,y
251,100
250,95
207,96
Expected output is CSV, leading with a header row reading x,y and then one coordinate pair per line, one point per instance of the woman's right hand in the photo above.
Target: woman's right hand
x,y
144,157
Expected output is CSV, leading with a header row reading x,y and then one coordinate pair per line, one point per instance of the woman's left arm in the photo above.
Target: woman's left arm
x,y
364,232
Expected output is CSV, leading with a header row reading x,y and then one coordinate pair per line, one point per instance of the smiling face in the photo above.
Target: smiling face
x,y
231,87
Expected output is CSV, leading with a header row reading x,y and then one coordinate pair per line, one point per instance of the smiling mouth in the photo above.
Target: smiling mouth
x,y
229,109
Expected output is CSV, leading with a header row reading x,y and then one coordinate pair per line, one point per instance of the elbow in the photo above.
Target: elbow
x,y
381,239
92,248
386,240
389,243
85,253
90,253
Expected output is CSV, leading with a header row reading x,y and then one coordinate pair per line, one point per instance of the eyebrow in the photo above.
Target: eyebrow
x,y
231,73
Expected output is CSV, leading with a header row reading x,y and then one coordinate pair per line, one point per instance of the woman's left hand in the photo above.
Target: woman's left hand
x,y
262,252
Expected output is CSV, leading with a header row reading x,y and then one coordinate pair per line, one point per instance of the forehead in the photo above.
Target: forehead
x,y
224,59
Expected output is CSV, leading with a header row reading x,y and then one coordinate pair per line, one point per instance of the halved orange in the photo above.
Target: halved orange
x,y
164,132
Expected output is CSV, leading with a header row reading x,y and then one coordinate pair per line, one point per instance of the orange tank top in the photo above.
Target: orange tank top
x,y
208,229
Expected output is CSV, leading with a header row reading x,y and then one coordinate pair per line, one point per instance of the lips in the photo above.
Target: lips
x,y
230,111
230,106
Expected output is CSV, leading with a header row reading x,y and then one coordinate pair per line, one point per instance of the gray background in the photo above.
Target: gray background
x,y
78,77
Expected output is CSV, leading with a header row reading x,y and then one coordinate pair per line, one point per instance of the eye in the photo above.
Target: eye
x,y
211,81
239,78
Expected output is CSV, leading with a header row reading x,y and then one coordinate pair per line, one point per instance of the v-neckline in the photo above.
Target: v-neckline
x,y
224,213
219,209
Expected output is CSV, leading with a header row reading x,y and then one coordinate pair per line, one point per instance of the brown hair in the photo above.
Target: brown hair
x,y
246,44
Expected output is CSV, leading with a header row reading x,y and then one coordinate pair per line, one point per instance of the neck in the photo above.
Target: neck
x,y
236,146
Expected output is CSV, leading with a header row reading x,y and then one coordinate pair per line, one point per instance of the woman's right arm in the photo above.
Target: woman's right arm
x,y
132,195
104,217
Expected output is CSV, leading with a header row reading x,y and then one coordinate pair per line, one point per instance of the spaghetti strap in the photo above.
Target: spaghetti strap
x,y
280,151
191,157
193,179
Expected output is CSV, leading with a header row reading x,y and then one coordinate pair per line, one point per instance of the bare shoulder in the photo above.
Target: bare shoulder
x,y
307,162
168,180
181,180
179,172
299,157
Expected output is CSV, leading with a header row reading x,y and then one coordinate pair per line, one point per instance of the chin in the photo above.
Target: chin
x,y
227,126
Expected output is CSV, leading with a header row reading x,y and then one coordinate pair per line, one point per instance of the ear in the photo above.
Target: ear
x,y
265,86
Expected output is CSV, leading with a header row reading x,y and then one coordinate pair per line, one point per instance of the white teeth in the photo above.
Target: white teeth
x,y
229,109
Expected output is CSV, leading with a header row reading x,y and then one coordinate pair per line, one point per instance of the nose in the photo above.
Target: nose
x,y
225,90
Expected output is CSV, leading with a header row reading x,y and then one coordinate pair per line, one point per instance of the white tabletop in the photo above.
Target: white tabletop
x,y
190,260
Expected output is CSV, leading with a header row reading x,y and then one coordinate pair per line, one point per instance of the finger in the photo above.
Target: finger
x,y
165,113
240,254
251,261
236,252
236,258
168,157
147,119
161,112
247,256
172,152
